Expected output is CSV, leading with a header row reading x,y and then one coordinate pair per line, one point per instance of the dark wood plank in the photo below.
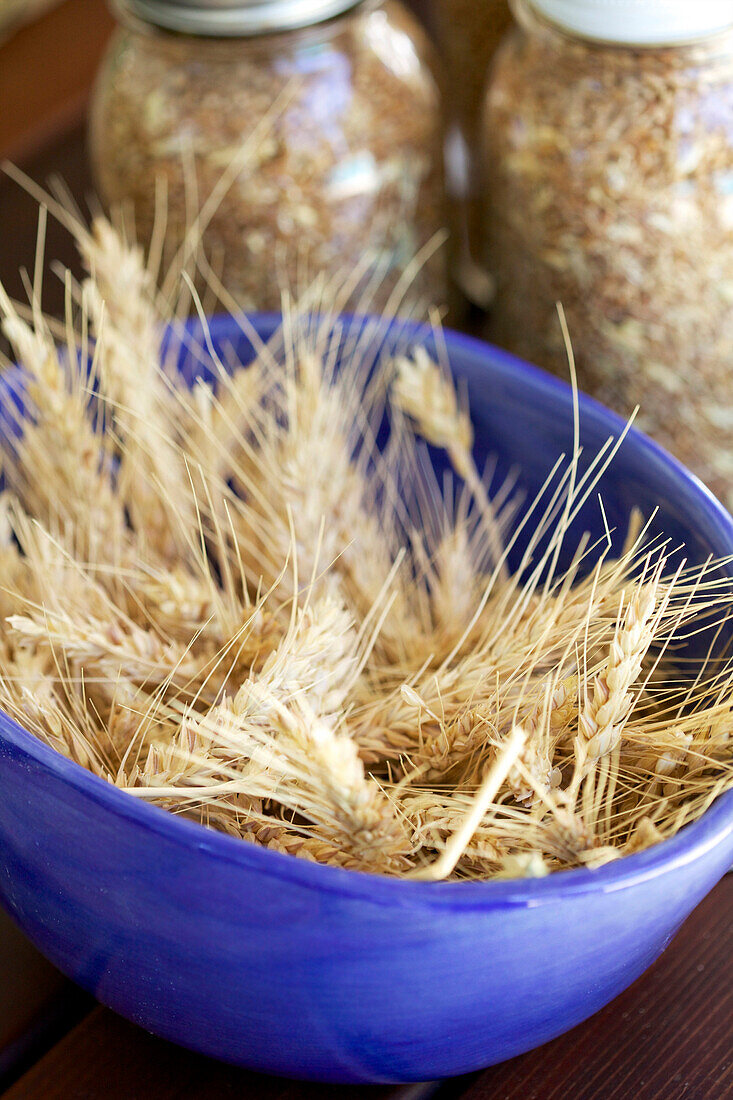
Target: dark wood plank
x,y
57,1015
46,71
65,157
105,1058
668,1037
28,983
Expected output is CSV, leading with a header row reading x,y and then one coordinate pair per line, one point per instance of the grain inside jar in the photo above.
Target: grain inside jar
x,y
608,186
346,166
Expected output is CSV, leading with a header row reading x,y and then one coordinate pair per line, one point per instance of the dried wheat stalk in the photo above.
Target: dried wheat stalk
x,y
227,600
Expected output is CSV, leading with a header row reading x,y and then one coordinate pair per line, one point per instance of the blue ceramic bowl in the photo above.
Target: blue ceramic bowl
x,y
292,968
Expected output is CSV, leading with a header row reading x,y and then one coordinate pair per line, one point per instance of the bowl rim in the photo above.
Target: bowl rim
x,y
691,843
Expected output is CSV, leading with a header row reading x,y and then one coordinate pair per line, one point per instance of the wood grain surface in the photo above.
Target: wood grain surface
x,y
105,1058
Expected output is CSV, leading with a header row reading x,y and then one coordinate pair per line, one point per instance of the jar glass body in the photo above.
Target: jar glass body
x,y
321,148
608,186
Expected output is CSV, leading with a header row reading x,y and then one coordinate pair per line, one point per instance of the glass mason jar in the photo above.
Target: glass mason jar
x,y
608,187
468,33
308,132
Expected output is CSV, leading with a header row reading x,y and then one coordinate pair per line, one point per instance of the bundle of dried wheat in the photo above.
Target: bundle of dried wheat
x,y
227,601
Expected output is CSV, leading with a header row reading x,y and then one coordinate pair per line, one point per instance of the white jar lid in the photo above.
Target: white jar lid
x,y
234,17
639,22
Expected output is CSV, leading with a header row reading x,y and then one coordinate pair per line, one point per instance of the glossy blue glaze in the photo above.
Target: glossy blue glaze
x,y
292,968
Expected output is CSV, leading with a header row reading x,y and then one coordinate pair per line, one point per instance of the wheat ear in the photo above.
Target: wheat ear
x,y
602,718
426,394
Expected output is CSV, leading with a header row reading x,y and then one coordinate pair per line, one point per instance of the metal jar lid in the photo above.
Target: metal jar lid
x,y
222,18
639,22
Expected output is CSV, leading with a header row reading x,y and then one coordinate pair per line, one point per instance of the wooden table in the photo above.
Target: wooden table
x,y
669,1037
